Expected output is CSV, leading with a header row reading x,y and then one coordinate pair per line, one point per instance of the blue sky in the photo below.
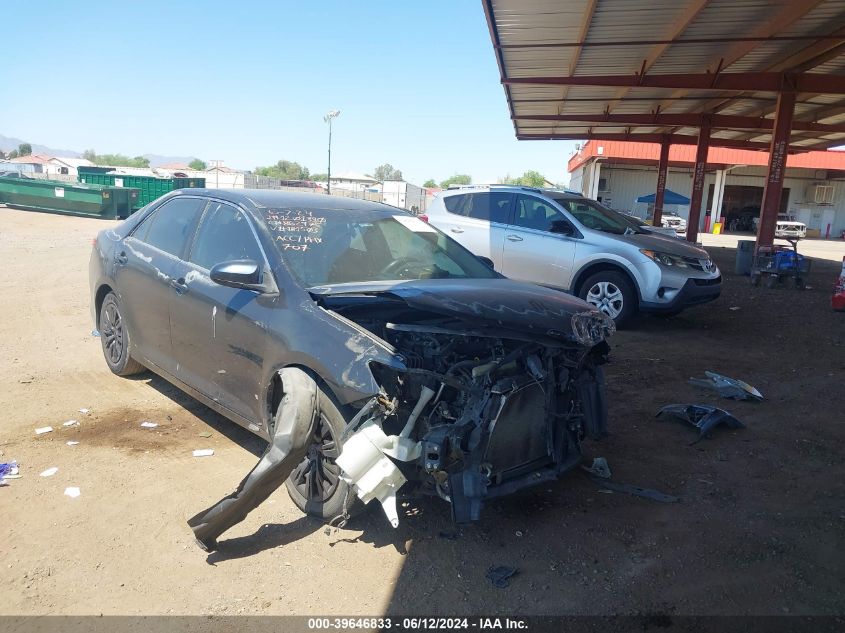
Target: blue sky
x,y
249,82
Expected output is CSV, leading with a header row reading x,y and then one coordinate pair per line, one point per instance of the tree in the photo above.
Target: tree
x,y
457,179
2,154
90,154
12,154
24,149
115,160
198,165
430,183
320,177
528,179
285,170
387,172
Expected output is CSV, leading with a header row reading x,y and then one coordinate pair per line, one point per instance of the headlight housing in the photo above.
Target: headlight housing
x,y
591,327
664,259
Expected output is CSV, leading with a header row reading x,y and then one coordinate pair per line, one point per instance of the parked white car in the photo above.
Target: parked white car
x,y
671,220
788,227
563,240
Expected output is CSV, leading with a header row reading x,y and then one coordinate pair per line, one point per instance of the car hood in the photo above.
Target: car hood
x,y
482,302
661,243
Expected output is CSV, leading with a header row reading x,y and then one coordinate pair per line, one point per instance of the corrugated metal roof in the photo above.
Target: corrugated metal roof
x,y
568,41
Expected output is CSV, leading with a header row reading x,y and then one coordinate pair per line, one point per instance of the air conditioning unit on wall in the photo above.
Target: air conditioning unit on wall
x,y
821,192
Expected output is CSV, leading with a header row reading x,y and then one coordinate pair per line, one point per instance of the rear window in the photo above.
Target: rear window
x,y
492,206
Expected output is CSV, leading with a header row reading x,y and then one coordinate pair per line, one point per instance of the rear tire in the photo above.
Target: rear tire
x,y
114,338
315,486
612,293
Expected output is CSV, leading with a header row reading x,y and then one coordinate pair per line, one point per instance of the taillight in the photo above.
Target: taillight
x,y
423,217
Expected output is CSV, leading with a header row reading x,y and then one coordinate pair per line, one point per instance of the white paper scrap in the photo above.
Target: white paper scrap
x,y
204,452
72,443
72,492
44,429
70,423
149,425
50,472
84,410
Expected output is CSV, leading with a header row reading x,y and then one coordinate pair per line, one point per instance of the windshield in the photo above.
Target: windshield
x,y
597,217
328,246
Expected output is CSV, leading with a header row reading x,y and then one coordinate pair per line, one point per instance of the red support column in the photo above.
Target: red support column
x,y
662,168
777,167
698,181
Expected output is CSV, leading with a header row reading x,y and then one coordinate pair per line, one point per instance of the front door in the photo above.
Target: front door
x,y
531,252
219,332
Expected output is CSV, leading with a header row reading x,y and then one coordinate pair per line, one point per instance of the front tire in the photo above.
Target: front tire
x,y
315,486
114,338
612,293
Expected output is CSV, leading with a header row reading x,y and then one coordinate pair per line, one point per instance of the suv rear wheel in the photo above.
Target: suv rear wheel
x,y
612,293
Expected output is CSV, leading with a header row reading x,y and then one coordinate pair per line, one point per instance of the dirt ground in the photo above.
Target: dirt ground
x,y
758,529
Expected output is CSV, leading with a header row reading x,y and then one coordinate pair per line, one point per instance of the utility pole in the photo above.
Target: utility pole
x,y
332,114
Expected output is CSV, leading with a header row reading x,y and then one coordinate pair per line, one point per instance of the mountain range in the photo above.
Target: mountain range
x,y
8,143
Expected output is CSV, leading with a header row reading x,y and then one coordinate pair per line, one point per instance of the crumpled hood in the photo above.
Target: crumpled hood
x,y
503,302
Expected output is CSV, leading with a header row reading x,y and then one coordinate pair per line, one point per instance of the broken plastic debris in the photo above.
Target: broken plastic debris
x,y
72,443
44,429
599,468
95,333
204,452
84,410
702,416
648,493
70,423
72,492
727,387
8,468
205,434
501,576
50,472
149,425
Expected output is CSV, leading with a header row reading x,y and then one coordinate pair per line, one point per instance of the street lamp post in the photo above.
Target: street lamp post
x,y
328,119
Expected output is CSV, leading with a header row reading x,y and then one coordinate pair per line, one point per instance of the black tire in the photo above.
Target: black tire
x,y
315,486
114,338
600,290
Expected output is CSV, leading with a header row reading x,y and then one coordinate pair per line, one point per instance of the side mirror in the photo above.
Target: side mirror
x,y
562,227
243,273
487,262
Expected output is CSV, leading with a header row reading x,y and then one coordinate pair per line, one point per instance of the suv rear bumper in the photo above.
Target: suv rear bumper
x,y
693,292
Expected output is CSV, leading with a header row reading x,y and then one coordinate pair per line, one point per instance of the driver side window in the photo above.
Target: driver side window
x,y
224,235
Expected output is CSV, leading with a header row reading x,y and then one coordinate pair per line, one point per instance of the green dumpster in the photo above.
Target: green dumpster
x,y
150,187
55,196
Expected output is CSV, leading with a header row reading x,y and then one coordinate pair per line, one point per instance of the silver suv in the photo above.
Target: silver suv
x,y
563,240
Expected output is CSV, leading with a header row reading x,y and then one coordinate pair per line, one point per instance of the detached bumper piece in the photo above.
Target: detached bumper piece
x,y
703,417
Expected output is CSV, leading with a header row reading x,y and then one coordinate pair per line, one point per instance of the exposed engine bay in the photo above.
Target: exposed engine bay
x,y
478,413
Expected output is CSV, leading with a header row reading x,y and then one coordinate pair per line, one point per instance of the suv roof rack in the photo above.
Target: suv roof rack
x,y
494,186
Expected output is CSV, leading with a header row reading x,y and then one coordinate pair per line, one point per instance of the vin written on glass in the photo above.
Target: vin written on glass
x,y
297,229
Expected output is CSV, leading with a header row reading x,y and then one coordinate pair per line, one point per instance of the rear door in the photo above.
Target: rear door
x,y
219,334
478,221
145,267
531,252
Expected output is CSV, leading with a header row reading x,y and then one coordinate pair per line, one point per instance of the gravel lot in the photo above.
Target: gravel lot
x,y
758,530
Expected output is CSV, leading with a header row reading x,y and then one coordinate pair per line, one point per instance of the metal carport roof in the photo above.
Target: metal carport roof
x,y
657,70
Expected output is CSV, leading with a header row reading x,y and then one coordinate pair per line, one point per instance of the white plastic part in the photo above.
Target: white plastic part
x,y
426,395
367,468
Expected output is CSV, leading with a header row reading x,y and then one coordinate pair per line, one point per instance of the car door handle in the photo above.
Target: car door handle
x,y
122,258
179,285
456,230
514,238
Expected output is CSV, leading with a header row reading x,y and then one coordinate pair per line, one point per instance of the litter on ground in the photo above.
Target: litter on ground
x,y
70,423
730,388
599,468
702,416
204,452
72,443
149,425
50,472
8,468
84,410
72,492
44,429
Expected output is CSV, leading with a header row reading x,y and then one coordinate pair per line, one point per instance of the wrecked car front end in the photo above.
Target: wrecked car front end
x,y
497,385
